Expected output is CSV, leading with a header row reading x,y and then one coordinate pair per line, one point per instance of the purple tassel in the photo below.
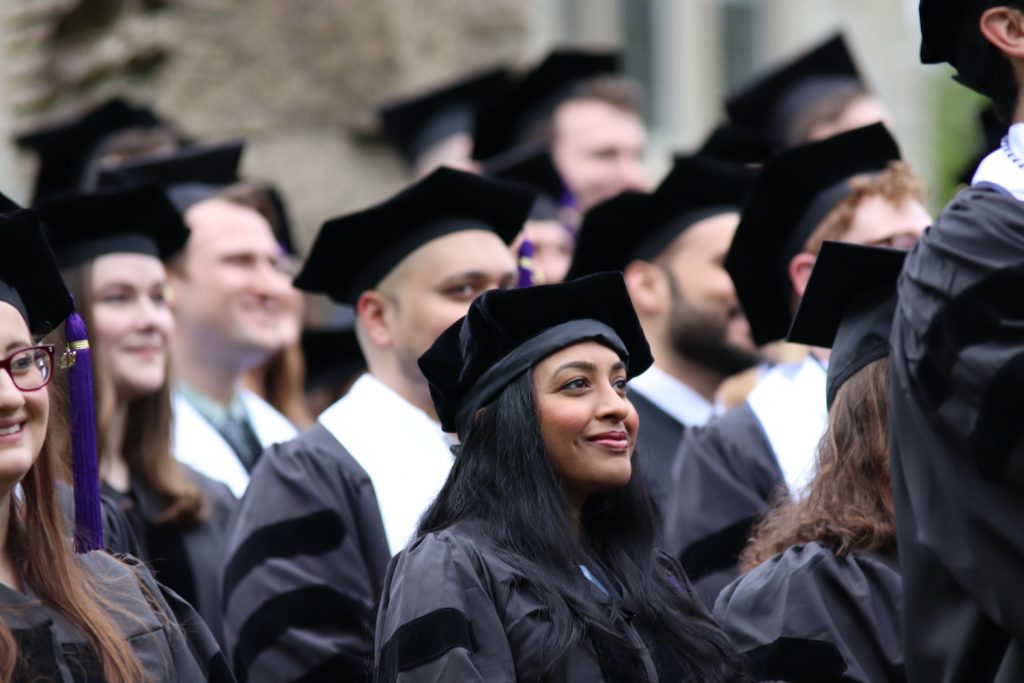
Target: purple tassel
x,y
525,264
88,516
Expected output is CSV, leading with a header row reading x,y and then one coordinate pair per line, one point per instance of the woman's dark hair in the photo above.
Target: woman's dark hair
x,y
848,506
504,478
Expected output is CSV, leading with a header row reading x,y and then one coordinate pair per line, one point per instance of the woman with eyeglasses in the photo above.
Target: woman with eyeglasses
x,y
110,246
536,560
66,616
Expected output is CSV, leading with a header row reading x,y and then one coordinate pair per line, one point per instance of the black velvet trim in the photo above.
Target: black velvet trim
x,y
313,607
717,551
340,667
170,561
797,660
312,534
35,654
423,640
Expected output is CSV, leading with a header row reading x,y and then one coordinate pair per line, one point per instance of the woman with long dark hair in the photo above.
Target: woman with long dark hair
x,y
536,560
110,245
67,616
821,598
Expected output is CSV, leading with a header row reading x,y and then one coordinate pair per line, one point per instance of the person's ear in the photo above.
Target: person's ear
x,y
373,309
1003,27
648,288
800,267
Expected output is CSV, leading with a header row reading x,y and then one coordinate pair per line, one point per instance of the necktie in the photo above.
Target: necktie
x,y
243,441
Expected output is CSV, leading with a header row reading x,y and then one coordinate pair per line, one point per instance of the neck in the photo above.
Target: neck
x,y
113,467
414,392
255,380
8,572
212,374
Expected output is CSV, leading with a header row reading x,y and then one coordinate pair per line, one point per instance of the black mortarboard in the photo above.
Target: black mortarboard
x,y
416,123
68,150
187,174
765,106
637,226
352,253
507,332
849,306
794,192
138,220
29,277
729,142
531,165
502,122
332,356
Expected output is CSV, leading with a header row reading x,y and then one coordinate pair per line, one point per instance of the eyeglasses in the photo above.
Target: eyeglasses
x,y
30,369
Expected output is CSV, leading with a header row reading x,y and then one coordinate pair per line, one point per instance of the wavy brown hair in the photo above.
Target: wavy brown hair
x,y
848,505
146,445
39,545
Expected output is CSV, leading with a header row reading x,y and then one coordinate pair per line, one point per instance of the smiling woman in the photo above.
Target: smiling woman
x,y
536,560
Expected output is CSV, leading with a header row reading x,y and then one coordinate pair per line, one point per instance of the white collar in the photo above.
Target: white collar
x,y
672,396
402,449
1000,169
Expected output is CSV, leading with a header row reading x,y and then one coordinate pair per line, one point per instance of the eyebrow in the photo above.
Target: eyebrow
x,y
584,365
15,345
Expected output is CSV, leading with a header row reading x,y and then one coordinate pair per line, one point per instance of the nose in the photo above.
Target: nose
x,y
612,406
271,283
632,175
11,398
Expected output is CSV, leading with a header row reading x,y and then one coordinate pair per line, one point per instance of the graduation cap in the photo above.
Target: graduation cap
x,y
637,226
138,220
415,124
332,355
531,165
766,106
730,142
68,150
352,253
30,280
501,122
849,306
189,174
794,192
507,332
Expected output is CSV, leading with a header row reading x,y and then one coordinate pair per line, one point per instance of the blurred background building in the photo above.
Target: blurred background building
x,y
301,79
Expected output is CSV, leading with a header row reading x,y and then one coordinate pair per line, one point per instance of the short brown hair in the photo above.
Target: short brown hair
x,y
897,183
620,92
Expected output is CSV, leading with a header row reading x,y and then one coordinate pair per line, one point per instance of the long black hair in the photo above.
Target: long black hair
x,y
504,478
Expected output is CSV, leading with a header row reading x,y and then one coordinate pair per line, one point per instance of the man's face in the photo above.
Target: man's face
x,y
598,148
706,323
231,292
438,282
880,222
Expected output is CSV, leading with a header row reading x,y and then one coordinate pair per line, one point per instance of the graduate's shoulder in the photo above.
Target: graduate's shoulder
x,y
314,452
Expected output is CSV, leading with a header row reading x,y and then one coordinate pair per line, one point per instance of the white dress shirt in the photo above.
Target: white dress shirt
x,y
672,396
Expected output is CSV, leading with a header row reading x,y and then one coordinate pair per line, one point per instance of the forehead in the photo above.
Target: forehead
x,y
217,223
876,217
594,119
133,268
459,252
583,352
711,234
13,328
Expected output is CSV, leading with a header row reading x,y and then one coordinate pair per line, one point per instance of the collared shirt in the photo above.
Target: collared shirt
x,y
214,412
403,450
1005,169
674,397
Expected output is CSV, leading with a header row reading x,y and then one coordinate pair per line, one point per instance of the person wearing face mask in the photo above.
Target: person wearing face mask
x,y
536,560
67,616
111,245
324,512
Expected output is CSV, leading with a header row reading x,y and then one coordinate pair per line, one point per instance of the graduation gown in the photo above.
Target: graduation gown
x,y
198,444
657,441
957,457
723,479
170,641
185,559
304,565
807,615
453,610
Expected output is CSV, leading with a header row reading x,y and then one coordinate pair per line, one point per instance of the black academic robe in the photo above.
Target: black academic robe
x,y
724,477
807,615
453,610
166,635
957,457
118,535
657,441
304,565
185,559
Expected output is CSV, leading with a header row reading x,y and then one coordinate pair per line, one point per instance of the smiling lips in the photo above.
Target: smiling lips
x,y
10,428
614,441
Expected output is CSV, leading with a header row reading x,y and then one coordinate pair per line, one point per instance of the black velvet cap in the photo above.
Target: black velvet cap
x,y
188,175
794,192
415,123
730,142
766,105
501,123
138,220
507,332
332,355
531,165
849,306
637,226
68,150
353,253
29,277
